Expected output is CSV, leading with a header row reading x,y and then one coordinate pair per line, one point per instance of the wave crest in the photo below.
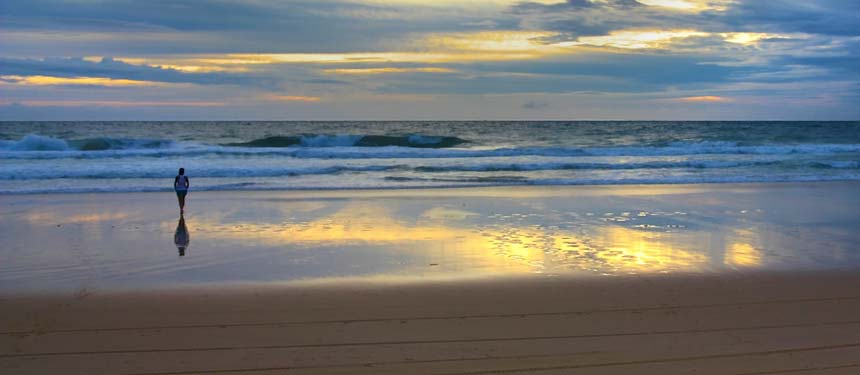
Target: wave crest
x,y
36,142
324,140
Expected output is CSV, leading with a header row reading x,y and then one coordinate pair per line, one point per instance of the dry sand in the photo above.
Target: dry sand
x,y
743,323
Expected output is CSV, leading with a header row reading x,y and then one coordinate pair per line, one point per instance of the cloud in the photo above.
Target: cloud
x,y
690,5
472,58
74,81
636,39
291,98
109,103
703,99
388,70
532,104
110,69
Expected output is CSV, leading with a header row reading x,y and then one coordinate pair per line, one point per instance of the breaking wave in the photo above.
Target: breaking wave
x,y
322,140
35,146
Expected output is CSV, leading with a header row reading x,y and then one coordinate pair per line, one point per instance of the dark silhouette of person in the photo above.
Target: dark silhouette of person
x,y
181,237
181,184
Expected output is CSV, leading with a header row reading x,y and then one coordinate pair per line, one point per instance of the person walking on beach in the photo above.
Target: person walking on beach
x,y
181,184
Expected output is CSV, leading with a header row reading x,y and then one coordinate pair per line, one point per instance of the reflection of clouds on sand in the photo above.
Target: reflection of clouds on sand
x,y
743,255
741,249
619,249
68,218
286,236
447,213
503,243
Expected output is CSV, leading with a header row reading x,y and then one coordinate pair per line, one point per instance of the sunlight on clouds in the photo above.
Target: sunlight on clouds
x,y
75,81
368,71
636,39
373,57
703,99
434,48
663,39
291,98
690,5
109,103
186,65
750,38
491,41
461,3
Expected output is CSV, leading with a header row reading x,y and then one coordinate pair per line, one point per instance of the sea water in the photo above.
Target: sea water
x,y
59,157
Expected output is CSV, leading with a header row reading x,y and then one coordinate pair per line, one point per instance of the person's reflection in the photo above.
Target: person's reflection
x,y
181,237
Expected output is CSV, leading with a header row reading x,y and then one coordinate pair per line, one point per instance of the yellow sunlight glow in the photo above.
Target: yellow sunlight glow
x,y
749,38
363,71
495,248
440,48
192,65
460,3
436,48
292,98
490,41
108,103
76,81
690,5
743,254
636,39
703,99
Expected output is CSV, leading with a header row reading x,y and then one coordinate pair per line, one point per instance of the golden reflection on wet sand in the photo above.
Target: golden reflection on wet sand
x,y
505,247
133,239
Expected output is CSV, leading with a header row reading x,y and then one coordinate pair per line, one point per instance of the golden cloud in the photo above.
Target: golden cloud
x,y
460,3
291,98
439,48
749,38
703,99
636,39
363,71
76,81
110,103
690,5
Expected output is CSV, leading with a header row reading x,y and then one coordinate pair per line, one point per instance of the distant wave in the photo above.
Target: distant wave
x,y
373,147
35,142
322,140
162,171
394,182
158,172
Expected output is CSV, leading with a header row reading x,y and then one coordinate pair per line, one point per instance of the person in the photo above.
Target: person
x,y
181,237
181,184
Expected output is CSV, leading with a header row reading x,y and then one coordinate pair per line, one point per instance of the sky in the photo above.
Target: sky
x,y
429,60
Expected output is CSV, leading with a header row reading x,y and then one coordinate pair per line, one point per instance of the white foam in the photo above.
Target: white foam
x,y
35,142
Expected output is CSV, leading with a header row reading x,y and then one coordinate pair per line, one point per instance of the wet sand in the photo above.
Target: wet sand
x,y
97,242
704,279
762,323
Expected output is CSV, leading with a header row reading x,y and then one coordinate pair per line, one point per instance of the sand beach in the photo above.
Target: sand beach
x,y
705,279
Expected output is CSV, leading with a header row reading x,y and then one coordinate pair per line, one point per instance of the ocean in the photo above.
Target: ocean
x,y
87,156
